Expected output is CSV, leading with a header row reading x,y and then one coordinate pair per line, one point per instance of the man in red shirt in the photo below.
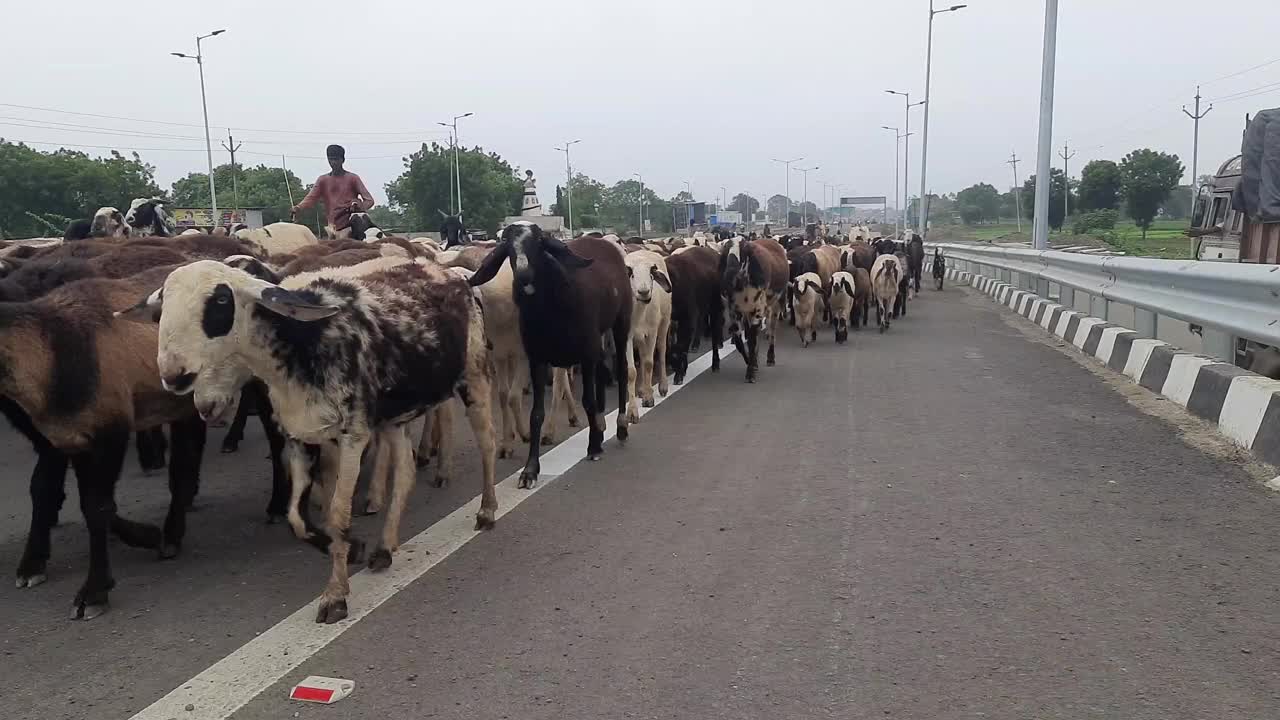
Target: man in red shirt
x,y
341,192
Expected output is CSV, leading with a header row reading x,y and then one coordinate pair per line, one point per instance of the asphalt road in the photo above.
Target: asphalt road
x,y
948,521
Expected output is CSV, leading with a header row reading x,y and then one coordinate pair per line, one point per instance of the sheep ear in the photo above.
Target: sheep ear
x,y
659,277
147,309
491,264
443,214
282,302
563,254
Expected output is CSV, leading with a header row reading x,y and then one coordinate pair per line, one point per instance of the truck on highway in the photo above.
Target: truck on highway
x,y
1221,229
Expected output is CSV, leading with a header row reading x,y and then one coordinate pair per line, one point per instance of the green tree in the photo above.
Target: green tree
x,y
745,204
490,188
64,184
1100,185
777,208
389,218
1178,205
1147,177
587,201
1058,187
978,203
261,186
1009,204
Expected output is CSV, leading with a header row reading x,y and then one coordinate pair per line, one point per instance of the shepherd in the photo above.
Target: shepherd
x,y
341,191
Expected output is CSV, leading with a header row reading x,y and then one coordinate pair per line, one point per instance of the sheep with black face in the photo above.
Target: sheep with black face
x,y
147,217
569,295
342,358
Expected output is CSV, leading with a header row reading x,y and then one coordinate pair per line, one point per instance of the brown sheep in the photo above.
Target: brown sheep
x,y
696,306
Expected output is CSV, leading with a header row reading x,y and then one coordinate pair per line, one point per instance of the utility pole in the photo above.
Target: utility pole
x,y
1044,149
1195,148
568,185
897,143
1066,182
641,178
924,145
204,105
232,146
1017,189
786,219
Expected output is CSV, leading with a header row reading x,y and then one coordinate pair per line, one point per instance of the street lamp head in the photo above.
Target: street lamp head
x,y
216,32
953,8
467,115
181,55
895,92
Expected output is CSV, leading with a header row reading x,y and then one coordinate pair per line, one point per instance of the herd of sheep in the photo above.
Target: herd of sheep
x,y
350,349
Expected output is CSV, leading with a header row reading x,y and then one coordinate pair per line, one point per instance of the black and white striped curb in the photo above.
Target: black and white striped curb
x,y
1245,406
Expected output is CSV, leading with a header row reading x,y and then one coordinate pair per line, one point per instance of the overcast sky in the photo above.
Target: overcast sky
x,y
706,91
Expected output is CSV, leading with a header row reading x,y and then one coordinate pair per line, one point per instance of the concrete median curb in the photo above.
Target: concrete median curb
x,y
1244,406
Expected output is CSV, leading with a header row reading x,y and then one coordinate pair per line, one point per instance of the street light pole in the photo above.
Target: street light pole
x,y
804,207
787,213
924,145
568,185
204,104
897,138
456,176
906,154
1044,155
641,177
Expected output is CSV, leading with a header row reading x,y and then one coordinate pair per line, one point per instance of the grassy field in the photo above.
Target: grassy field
x,y
1165,239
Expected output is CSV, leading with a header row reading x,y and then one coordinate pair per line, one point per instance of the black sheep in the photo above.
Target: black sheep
x,y
568,296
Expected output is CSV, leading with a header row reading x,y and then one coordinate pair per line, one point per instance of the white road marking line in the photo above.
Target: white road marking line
x,y
234,681
1247,401
1181,379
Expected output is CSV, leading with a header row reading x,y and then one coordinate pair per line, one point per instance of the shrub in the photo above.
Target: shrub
x,y
1092,223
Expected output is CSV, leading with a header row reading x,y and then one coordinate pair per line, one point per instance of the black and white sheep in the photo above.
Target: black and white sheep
x,y
147,217
754,279
842,300
342,358
568,295
106,222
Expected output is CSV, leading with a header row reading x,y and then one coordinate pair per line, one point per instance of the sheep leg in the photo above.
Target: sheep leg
x,y
685,327
420,430
750,355
519,373
97,472
278,505
300,481
566,386
184,476
622,365
397,443
506,371
560,386
770,328
443,422
660,357
235,434
151,446
376,495
475,395
532,466
647,380
337,529
592,390
717,339
46,498
632,407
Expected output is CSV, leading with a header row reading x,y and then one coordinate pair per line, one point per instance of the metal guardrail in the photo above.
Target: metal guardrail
x,y
1226,300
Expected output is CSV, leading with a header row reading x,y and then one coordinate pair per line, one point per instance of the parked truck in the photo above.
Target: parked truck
x,y
1222,225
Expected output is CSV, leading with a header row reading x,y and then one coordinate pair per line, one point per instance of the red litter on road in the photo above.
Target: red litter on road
x,y
325,690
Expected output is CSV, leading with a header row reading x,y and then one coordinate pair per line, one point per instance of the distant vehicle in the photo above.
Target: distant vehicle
x,y
1224,234
1215,225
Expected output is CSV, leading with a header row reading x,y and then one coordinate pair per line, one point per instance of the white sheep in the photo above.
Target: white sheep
x,y
650,321
278,238
806,290
886,274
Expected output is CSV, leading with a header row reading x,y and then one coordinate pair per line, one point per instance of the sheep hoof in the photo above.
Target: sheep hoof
x,y
623,433
421,461
548,439
440,480
355,551
648,402
371,508
331,611
380,559
484,519
573,421
89,604
528,478
663,390
169,551
504,453
30,581
633,416
229,447
679,379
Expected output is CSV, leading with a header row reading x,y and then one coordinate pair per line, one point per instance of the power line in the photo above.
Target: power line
x,y
1242,72
427,131
154,149
1251,92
